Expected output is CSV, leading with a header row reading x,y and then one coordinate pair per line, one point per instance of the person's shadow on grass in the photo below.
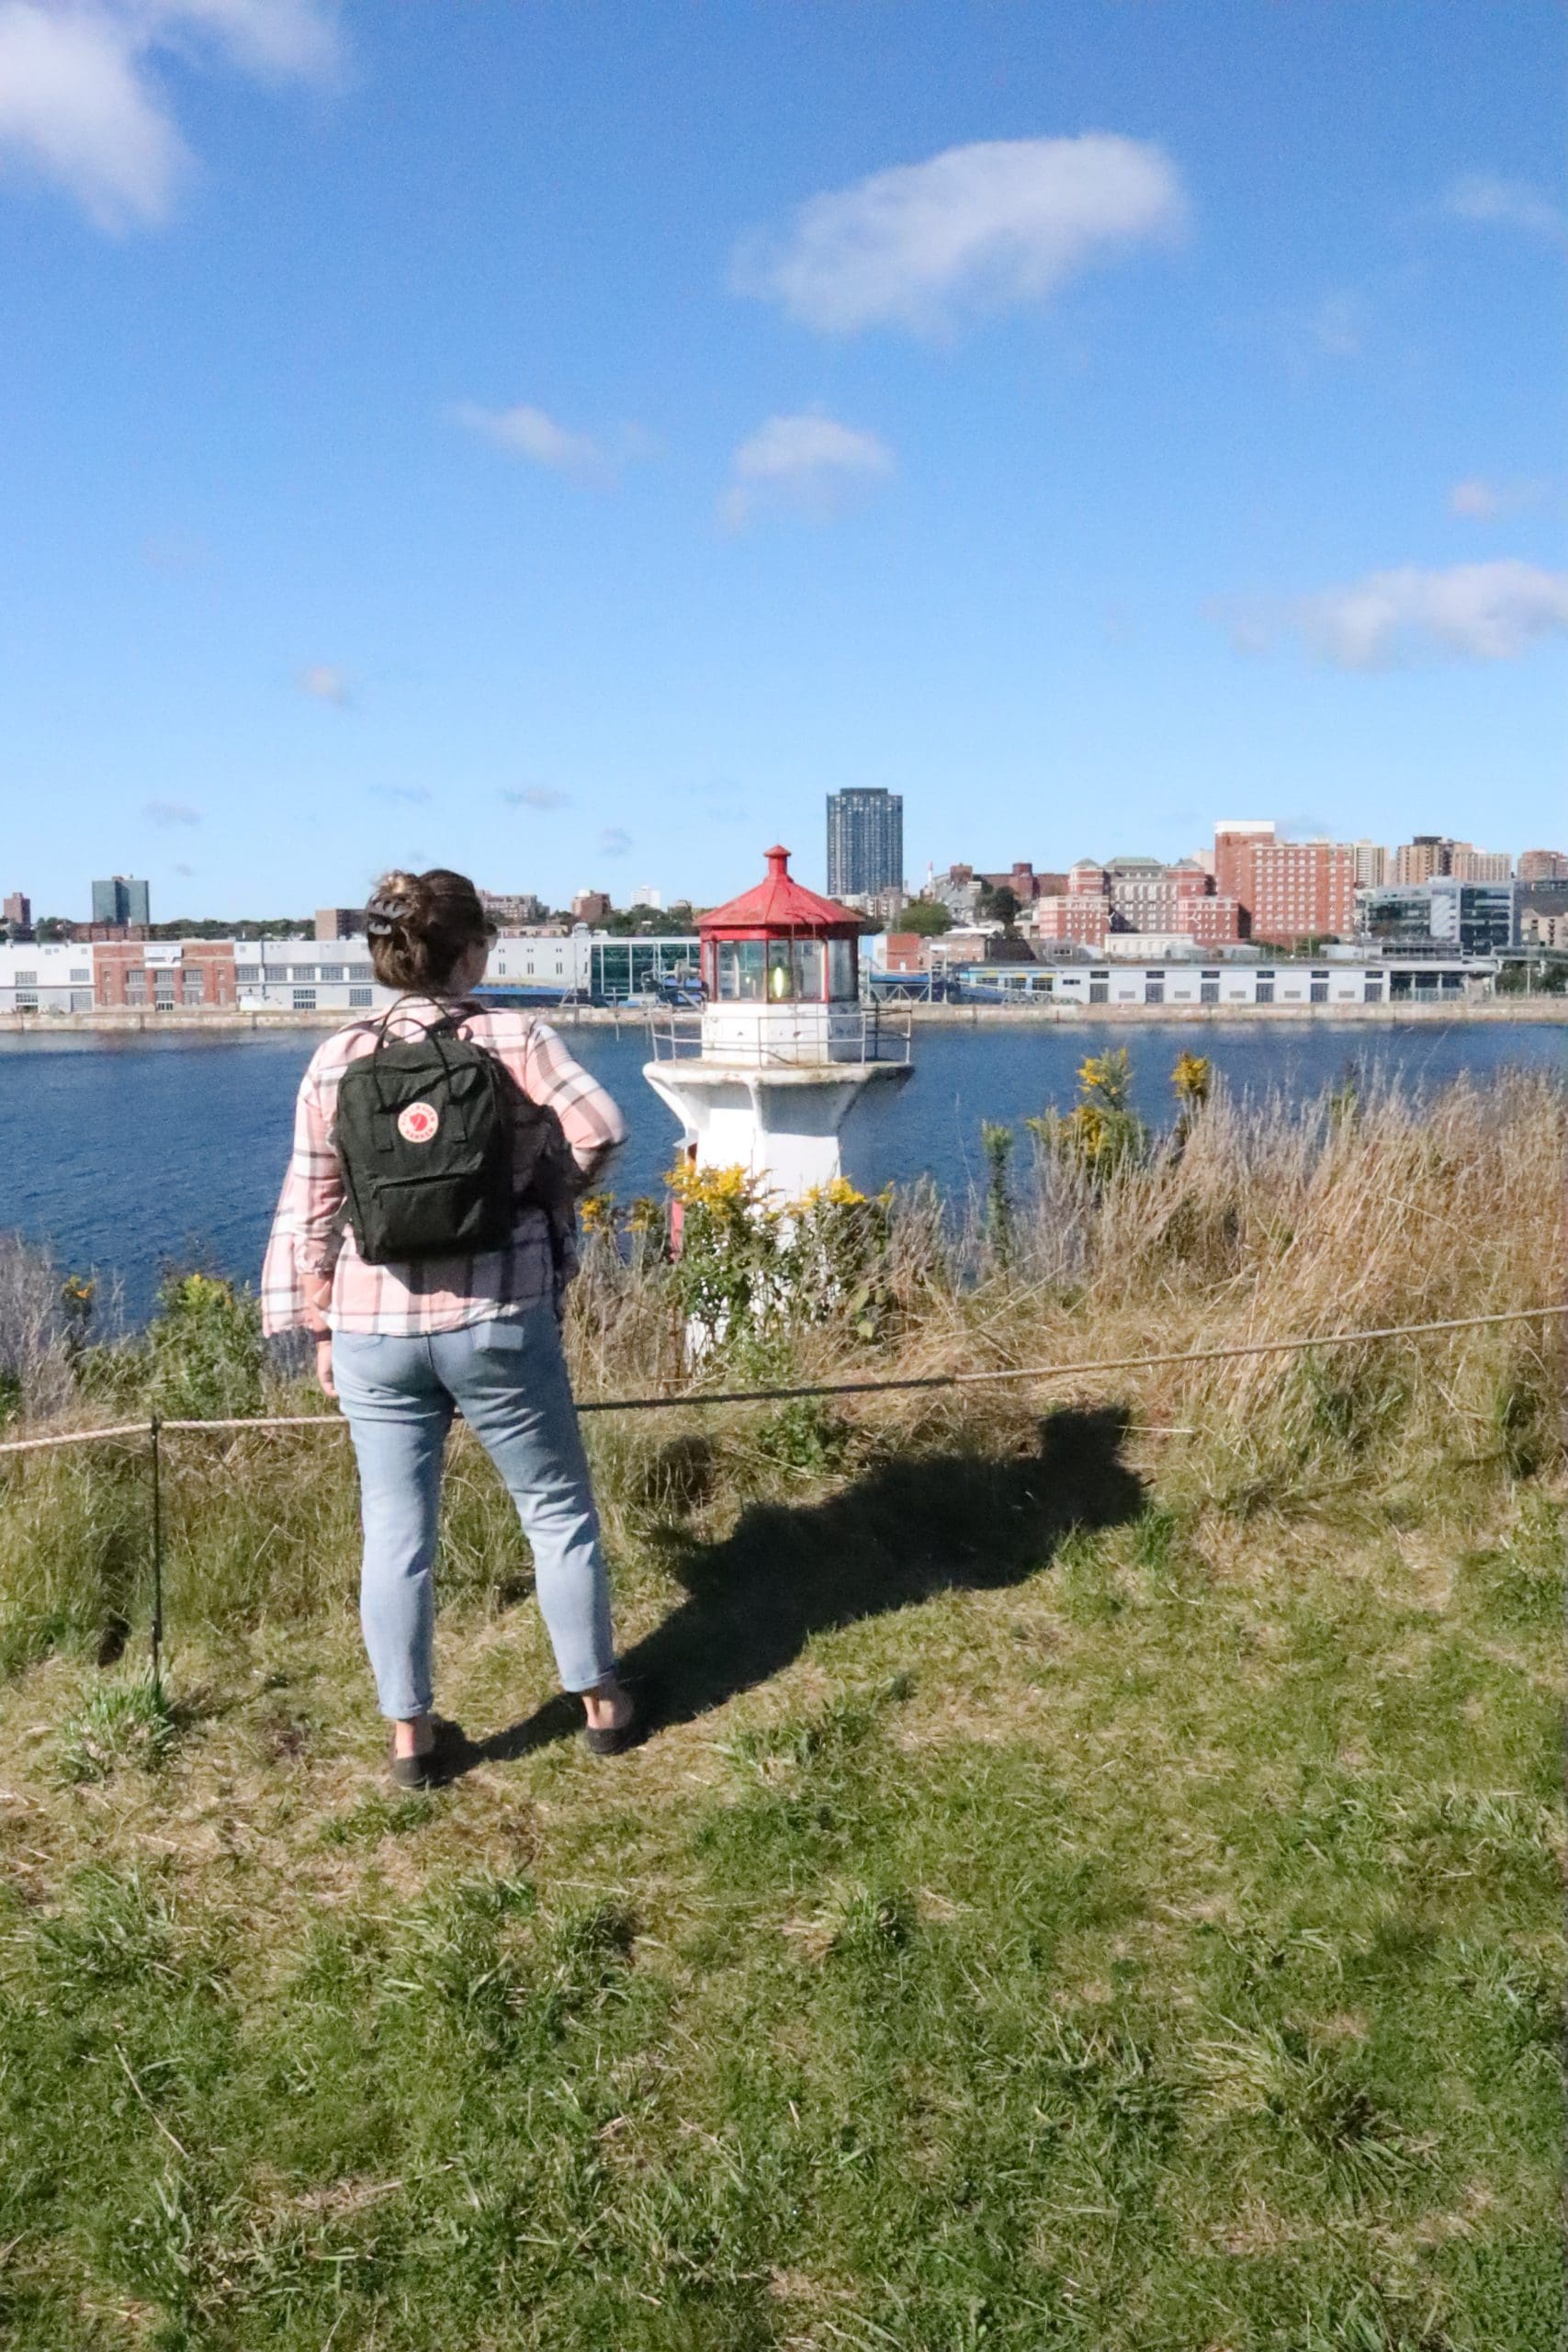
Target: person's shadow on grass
x,y
907,1530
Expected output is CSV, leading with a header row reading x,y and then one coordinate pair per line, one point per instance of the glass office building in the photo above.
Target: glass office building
x,y
122,899
865,842
1479,918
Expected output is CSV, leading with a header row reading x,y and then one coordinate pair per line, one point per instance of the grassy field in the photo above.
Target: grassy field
x,y
1097,1882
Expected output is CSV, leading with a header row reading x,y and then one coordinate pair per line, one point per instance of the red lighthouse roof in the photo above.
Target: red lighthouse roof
x,y
781,904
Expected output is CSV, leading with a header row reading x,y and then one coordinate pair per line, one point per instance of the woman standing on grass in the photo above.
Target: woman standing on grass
x,y
472,1329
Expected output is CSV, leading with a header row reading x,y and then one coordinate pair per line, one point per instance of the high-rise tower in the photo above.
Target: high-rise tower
x,y
865,842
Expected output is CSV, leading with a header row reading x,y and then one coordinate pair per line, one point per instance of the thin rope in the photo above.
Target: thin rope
x,y
691,1399
1066,1371
271,1421
77,1436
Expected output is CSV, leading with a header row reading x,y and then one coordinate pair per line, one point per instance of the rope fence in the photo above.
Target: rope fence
x,y
156,1428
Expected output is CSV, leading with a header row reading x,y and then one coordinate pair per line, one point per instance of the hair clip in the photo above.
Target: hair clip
x,y
383,915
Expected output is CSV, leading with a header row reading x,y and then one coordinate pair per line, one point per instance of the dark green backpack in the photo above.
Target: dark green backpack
x,y
426,1134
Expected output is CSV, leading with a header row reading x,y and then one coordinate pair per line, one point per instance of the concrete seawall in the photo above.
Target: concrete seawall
x,y
194,1023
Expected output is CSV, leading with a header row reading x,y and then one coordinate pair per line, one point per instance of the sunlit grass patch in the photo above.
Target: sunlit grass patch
x,y
122,1726
1095,1884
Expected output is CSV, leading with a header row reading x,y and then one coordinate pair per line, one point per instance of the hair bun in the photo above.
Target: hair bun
x,y
420,926
392,904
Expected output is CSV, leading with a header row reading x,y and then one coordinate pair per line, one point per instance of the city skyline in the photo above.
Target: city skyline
x,y
563,447
1252,863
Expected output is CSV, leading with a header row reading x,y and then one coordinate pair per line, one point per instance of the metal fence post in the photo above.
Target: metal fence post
x,y
156,1467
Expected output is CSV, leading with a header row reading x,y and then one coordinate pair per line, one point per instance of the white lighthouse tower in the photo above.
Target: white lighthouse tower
x,y
767,1076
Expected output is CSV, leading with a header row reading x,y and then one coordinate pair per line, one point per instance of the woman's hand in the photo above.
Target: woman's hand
x,y
324,1365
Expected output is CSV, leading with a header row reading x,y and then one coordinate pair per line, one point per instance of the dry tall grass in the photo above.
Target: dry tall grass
x,y
1351,1210
1264,1222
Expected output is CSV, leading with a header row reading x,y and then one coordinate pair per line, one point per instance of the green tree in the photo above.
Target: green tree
x,y
999,905
928,918
652,923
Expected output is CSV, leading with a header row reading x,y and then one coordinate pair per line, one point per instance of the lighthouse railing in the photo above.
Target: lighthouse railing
x,y
851,1033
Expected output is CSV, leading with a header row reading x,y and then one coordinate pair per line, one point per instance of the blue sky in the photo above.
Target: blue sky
x,y
566,441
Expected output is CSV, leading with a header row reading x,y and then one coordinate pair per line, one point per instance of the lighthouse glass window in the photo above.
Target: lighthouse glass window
x,y
841,982
741,968
809,970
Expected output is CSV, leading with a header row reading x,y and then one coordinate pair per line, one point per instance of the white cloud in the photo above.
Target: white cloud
x,y
170,812
537,796
81,104
532,434
1509,204
801,464
414,794
1471,612
974,229
1483,501
324,683
615,842
288,38
74,107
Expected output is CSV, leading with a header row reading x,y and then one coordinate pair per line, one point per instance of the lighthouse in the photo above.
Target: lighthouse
x,y
767,1076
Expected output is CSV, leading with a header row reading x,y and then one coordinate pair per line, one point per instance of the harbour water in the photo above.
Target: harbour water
x,y
126,1156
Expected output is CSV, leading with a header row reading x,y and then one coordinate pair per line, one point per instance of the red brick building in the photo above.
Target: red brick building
x,y
1082,917
125,979
1141,895
1289,890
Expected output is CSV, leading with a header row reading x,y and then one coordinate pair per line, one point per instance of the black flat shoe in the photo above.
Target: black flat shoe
x,y
616,1740
428,1771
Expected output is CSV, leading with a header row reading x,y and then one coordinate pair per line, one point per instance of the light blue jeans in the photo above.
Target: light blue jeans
x,y
508,1381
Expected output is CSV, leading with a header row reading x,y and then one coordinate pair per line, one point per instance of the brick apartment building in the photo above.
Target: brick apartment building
x,y
1079,917
1431,857
1140,894
1289,890
191,972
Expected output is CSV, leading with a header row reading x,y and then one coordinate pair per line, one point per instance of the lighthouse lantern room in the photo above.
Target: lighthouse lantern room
x,y
783,1049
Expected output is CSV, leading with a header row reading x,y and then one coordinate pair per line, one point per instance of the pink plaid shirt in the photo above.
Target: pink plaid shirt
x,y
310,1246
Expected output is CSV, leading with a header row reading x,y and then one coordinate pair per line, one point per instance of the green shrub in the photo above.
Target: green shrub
x,y
204,1349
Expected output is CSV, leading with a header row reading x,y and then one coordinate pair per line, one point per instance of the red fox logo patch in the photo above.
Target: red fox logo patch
x,y
418,1122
